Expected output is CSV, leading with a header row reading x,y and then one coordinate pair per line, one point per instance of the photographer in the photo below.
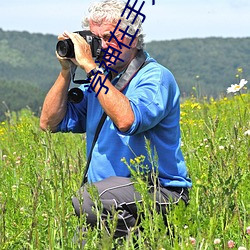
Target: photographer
x,y
141,100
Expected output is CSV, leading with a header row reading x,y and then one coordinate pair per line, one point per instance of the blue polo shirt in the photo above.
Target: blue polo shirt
x,y
154,97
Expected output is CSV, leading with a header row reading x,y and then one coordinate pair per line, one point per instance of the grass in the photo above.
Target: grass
x,y
40,172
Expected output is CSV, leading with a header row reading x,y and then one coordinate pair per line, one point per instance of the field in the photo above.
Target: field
x,y
40,172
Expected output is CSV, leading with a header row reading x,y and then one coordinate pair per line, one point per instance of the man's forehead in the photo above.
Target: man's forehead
x,y
103,28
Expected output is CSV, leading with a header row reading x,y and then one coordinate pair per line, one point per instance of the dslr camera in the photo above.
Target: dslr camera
x,y
65,48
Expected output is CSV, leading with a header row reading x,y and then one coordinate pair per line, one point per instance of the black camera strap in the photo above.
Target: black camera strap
x,y
136,64
97,132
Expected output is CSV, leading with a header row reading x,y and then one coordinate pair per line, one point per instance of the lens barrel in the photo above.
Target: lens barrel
x,y
65,48
75,95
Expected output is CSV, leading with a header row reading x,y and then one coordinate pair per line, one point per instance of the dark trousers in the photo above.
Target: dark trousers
x,y
119,194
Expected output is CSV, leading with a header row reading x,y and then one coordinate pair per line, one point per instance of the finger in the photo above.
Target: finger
x,y
62,36
69,34
75,37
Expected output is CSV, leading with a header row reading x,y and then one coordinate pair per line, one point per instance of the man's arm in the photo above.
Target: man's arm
x,y
116,105
55,103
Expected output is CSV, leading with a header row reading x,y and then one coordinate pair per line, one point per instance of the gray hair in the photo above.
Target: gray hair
x,y
111,11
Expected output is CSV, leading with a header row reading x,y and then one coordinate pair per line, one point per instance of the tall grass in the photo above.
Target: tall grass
x,y
40,172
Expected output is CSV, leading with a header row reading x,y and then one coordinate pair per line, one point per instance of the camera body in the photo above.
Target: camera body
x,y
65,48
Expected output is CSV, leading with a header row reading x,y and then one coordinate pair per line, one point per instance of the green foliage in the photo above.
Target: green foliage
x,y
28,68
40,172
14,95
28,57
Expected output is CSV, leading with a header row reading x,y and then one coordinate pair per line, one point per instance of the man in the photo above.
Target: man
x,y
141,100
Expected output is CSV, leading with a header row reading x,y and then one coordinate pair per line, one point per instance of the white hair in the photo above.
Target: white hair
x,y
111,11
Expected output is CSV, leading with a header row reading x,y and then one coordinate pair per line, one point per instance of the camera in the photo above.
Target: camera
x,y
65,48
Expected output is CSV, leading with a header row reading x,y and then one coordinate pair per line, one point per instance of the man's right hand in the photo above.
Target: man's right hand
x,y
66,63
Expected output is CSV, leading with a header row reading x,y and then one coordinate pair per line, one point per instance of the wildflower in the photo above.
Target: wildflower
x,y
192,240
195,106
237,87
22,210
247,133
240,70
242,248
198,182
221,147
14,188
248,230
132,162
137,159
230,244
45,216
216,241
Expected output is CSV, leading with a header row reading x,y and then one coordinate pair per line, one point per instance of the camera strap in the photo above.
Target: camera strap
x,y
136,64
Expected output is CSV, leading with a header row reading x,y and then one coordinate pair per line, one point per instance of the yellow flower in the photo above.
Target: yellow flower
x,y
138,160
132,162
240,70
195,105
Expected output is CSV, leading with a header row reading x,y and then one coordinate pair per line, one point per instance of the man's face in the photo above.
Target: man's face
x,y
112,47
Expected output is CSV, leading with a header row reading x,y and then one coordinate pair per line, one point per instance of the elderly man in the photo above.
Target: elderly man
x,y
141,103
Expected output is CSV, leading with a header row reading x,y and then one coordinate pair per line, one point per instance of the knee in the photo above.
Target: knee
x,y
84,205
77,206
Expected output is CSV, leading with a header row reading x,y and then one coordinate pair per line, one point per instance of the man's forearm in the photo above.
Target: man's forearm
x,y
55,103
116,105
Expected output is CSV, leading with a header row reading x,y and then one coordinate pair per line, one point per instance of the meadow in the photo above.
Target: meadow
x,y
40,172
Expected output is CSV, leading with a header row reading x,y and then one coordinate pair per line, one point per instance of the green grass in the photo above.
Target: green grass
x,y
40,172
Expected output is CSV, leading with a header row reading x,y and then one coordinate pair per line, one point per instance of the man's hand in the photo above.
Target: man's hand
x,y
66,63
83,54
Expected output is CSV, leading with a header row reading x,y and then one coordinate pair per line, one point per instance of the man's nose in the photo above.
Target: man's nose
x,y
104,44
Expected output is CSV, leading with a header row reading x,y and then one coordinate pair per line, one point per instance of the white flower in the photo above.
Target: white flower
x,y
217,241
247,133
237,87
22,210
242,248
